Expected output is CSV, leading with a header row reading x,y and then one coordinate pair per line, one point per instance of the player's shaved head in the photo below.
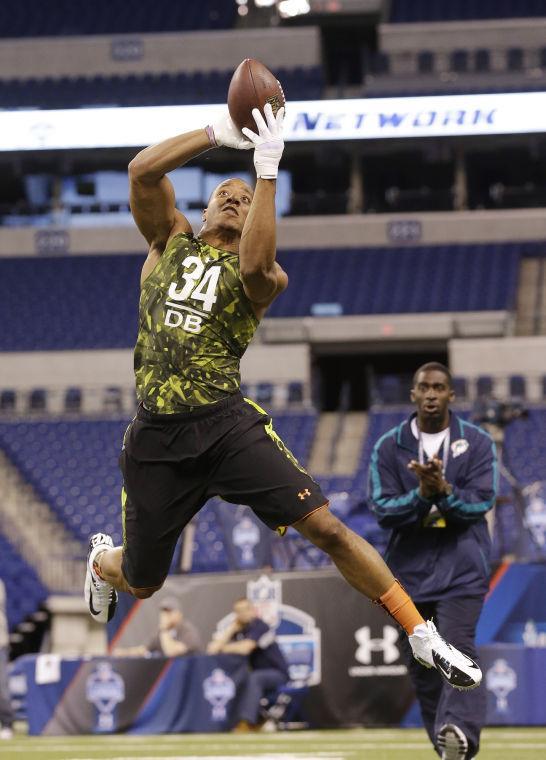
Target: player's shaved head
x,y
228,182
227,209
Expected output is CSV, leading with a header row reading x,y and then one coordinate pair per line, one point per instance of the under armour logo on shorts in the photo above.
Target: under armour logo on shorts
x,y
303,494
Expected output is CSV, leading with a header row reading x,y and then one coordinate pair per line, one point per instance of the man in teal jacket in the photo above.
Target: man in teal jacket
x,y
432,480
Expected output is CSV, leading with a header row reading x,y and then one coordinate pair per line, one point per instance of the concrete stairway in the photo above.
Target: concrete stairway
x,y
320,460
338,443
349,443
35,531
531,298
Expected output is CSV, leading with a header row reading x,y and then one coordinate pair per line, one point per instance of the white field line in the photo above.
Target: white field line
x,y
260,747
347,736
327,750
284,756
363,746
226,757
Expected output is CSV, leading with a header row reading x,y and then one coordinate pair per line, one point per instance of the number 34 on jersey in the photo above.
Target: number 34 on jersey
x,y
199,285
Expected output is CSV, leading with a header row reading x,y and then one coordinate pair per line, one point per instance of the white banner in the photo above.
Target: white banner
x,y
432,116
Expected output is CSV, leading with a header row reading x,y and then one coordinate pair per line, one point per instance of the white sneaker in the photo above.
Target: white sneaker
x,y
452,742
432,651
6,733
101,597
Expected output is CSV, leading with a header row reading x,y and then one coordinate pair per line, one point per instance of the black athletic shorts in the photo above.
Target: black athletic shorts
x,y
173,463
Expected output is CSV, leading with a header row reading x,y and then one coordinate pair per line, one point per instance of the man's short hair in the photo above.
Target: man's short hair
x,y
433,367
170,603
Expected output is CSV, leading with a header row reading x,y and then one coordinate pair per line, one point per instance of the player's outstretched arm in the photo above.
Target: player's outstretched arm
x,y
151,192
262,277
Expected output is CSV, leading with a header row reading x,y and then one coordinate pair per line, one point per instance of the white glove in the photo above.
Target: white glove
x,y
226,133
268,143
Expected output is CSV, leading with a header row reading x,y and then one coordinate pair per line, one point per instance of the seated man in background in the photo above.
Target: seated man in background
x,y
249,635
176,636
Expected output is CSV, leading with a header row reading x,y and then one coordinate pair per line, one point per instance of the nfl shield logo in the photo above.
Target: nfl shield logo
x,y
218,689
266,595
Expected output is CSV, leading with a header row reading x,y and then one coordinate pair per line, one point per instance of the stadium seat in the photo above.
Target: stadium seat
x,y
517,386
73,399
295,393
425,62
458,61
264,393
484,386
8,400
482,60
112,400
514,59
390,389
380,63
37,400
460,386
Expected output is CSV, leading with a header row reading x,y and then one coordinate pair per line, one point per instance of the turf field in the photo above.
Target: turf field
x,y
365,744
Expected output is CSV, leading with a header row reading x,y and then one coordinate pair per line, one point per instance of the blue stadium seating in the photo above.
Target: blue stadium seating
x,y
398,280
92,301
299,83
472,85
24,590
525,447
73,467
72,464
410,11
34,18
68,294
390,389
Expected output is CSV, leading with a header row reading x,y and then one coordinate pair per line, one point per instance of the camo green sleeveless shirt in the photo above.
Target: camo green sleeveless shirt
x,y
195,323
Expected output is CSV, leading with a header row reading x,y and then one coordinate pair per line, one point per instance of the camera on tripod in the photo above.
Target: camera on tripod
x,y
492,411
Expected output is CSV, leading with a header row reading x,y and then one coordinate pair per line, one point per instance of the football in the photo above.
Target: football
x,y
252,86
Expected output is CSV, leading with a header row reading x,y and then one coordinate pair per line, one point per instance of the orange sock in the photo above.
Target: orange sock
x,y
397,602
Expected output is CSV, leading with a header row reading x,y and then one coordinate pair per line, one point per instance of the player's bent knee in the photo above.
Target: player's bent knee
x,y
324,530
145,593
